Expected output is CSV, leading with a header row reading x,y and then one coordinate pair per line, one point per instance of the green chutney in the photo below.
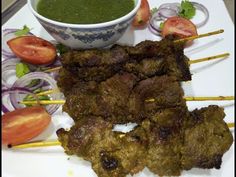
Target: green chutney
x,y
84,11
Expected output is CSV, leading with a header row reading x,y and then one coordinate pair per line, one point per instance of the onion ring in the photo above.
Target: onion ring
x,y
204,10
10,65
18,90
26,79
168,10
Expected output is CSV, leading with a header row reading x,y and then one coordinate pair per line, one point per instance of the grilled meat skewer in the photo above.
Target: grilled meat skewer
x,y
121,98
145,60
196,139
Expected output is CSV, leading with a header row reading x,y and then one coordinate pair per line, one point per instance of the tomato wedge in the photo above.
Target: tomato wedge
x,y
21,125
179,26
142,15
32,49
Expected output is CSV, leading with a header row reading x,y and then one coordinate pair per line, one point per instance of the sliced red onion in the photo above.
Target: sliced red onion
x,y
154,30
8,91
168,10
154,23
56,62
8,34
172,6
10,65
26,79
204,10
167,13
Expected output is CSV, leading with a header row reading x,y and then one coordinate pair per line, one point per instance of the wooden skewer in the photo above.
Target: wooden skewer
x,y
190,62
56,142
53,69
199,36
36,144
47,92
209,58
230,125
43,102
218,98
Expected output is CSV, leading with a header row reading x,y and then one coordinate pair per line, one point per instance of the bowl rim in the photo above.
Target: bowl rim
x,y
97,25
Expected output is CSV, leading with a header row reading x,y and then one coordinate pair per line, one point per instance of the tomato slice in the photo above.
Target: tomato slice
x,y
179,26
21,125
142,15
32,49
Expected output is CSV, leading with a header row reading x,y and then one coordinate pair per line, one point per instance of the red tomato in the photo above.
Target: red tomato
x,y
32,49
179,26
21,125
142,15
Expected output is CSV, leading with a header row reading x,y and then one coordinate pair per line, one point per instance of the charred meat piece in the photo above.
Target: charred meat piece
x,y
176,63
198,139
147,67
111,153
206,139
149,49
146,59
165,136
121,100
155,93
108,99
66,81
95,57
95,65
201,140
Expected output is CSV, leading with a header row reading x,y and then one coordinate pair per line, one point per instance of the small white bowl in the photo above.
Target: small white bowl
x,y
86,36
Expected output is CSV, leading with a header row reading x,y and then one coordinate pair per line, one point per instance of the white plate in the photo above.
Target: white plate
x,y
212,78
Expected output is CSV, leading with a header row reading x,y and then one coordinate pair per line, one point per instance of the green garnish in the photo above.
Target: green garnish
x,y
21,69
23,31
61,48
187,10
154,10
161,25
31,98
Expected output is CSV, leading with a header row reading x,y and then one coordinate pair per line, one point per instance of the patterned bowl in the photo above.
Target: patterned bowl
x,y
86,36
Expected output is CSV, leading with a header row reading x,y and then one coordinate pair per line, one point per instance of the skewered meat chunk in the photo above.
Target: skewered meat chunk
x,y
108,99
166,53
95,64
145,60
165,134
121,99
95,57
199,139
207,138
138,84
111,153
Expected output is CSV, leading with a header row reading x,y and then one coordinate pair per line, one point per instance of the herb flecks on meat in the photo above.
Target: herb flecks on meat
x,y
145,60
109,86
199,139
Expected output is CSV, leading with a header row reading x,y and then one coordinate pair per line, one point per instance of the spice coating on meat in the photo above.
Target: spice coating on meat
x,y
95,57
146,59
165,134
108,99
121,99
138,84
207,138
111,153
199,139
